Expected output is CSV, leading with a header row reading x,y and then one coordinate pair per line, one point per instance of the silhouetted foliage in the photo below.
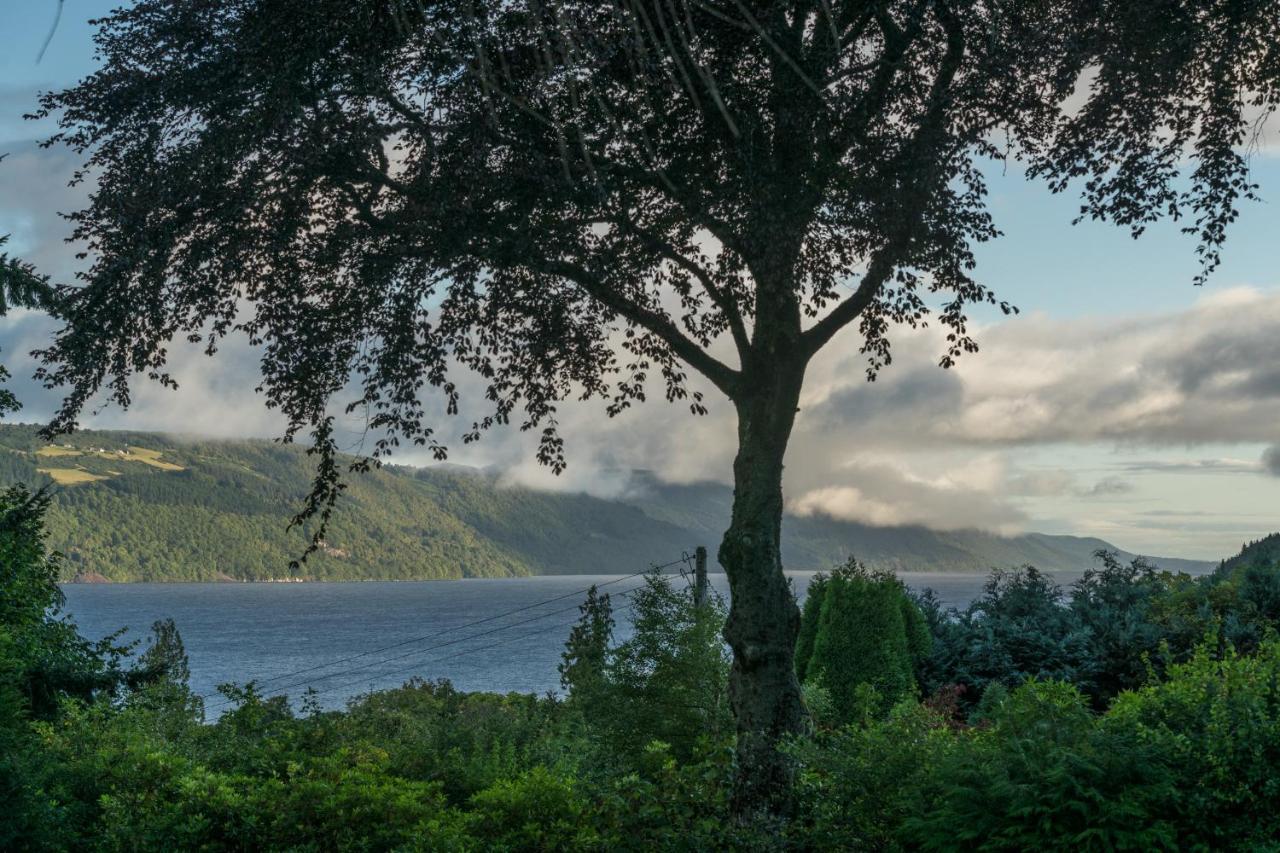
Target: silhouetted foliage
x,y
574,199
49,658
1114,630
20,287
584,664
1019,628
165,659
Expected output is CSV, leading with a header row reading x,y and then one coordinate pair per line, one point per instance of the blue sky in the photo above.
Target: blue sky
x,y
1123,402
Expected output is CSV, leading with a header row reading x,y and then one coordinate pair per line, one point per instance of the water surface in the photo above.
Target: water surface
x,y
347,638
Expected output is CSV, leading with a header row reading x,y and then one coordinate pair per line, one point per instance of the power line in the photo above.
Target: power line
x,y
463,627
363,668
446,644
464,652
223,702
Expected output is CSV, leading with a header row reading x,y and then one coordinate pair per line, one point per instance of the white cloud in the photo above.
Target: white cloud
x,y
1207,374
884,493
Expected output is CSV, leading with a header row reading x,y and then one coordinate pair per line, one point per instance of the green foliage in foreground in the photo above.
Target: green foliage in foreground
x,y
46,666
639,756
666,683
1188,762
1114,630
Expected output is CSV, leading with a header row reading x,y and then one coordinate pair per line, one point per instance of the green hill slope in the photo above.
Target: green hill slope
x,y
147,507
221,509
1263,553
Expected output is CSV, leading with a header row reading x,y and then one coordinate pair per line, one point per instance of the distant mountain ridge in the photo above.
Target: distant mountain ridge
x,y
149,507
817,541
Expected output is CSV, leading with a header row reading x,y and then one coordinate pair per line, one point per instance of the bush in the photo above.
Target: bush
x,y
534,811
128,787
1045,776
857,785
870,633
1119,626
464,741
668,682
1115,605
1218,723
48,659
1020,628
669,805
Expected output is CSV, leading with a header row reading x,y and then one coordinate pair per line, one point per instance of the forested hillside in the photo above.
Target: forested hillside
x,y
1262,553
147,507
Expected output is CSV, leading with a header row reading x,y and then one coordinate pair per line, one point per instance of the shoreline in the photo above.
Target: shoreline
x,y
277,581
300,581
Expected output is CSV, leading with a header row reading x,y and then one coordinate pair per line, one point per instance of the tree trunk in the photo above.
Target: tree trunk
x,y
763,617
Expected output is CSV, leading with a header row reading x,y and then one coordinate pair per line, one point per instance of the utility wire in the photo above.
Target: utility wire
x,y
411,652
365,667
222,702
443,632
464,652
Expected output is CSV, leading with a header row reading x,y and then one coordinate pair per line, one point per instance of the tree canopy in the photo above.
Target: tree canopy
x,y
392,190
568,198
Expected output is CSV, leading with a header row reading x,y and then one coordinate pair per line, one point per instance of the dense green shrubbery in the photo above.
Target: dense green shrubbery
x,y
1141,710
1045,773
1191,761
1112,631
48,670
861,640
1216,723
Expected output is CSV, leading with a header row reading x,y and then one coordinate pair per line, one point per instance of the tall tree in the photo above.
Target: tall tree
x,y
569,197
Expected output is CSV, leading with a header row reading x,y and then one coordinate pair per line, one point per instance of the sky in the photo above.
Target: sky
x,y
1122,402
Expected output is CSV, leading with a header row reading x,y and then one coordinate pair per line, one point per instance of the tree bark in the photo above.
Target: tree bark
x,y
763,618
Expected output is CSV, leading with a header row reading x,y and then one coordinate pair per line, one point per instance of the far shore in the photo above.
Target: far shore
x,y
101,580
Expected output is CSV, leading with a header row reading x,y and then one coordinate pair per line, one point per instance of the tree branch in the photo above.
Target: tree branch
x,y
931,124
721,375
848,310
897,41
723,300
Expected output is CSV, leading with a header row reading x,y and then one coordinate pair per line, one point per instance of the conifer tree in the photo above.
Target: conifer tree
x,y
809,618
582,665
869,634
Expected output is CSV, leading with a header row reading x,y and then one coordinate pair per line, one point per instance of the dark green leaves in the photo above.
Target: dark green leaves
x,y
574,199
